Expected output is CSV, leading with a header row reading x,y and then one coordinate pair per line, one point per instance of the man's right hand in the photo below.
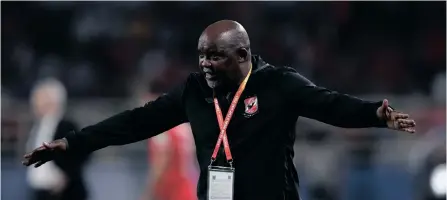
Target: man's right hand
x,y
45,153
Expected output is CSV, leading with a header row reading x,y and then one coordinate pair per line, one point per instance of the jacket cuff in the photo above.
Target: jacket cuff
x,y
376,122
72,141
66,142
75,149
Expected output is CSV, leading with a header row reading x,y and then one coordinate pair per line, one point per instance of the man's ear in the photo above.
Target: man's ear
x,y
242,55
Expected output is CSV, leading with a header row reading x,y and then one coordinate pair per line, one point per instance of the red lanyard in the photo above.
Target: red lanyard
x,y
223,125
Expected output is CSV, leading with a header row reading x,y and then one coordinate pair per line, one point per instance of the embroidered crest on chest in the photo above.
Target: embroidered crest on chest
x,y
251,106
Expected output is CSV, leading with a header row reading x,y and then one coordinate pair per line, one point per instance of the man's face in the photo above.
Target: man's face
x,y
216,62
43,103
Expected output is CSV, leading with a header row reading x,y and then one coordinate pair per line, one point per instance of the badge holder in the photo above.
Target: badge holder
x,y
220,182
221,179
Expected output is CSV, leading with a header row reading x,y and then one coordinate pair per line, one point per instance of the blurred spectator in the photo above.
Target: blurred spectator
x,y
60,179
171,157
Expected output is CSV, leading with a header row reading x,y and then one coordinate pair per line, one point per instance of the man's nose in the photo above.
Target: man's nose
x,y
205,63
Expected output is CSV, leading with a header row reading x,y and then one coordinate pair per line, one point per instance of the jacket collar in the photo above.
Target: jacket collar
x,y
258,63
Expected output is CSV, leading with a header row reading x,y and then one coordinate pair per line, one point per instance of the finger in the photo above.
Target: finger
x,y
28,155
385,103
37,150
25,162
383,108
40,163
388,112
408,122
32,157
401,126
409,130
28,162
47,145
401,115
51,145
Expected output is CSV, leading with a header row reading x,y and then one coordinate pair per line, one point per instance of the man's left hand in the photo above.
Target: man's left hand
x,y
395,120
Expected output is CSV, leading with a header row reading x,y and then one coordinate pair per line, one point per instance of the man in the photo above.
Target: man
x,y
261,132
171,160
61,179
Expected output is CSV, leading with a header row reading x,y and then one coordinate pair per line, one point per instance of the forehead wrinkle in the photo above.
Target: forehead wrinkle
x,y
216,44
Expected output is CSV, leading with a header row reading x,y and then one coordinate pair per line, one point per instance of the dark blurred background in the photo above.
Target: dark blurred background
x,y
106,53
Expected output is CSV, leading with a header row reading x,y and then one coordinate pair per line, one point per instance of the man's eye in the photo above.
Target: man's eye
x,y
201,56
215,58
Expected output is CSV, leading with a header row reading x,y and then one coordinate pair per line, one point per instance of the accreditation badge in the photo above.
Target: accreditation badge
x,y
221,179
220,183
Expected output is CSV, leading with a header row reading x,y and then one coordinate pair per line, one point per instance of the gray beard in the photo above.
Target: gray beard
x,y
213,84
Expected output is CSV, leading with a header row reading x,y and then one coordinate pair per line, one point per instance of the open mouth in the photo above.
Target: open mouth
x,y
210,76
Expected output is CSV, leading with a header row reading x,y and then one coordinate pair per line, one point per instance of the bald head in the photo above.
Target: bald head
x,y
224,53
226,34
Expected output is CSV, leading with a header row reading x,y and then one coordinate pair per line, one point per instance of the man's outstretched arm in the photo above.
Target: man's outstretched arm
x,y
126,127
339,109
134,125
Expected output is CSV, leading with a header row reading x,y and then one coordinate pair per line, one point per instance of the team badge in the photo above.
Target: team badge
x,y
251,106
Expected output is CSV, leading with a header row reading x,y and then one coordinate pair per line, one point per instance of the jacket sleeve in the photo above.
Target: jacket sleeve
x,y
131,126
328,106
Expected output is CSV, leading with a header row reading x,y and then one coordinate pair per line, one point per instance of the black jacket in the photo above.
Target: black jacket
x,y
261,139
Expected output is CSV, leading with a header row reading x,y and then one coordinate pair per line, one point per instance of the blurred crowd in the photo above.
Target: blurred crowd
x,y
109,56
387,47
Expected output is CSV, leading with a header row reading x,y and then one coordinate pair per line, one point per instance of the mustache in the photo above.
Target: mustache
x,y
208,70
